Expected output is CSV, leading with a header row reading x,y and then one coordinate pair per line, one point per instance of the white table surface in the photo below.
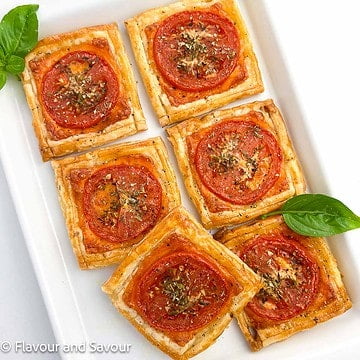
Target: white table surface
x,y
321,37
22,311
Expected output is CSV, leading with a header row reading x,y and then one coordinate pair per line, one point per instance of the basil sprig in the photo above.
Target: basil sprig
x,y
317,215
18,35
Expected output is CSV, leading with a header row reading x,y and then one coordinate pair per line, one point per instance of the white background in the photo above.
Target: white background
x,y
320,40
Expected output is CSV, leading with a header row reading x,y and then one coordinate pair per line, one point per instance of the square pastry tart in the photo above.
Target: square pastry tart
x,y
81,91
180,287
194,56
111,198
303,285
237,163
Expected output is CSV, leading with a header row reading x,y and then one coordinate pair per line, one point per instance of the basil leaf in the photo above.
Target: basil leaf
x,y
317,215
2,53
18,35
15,65
19,30
2,79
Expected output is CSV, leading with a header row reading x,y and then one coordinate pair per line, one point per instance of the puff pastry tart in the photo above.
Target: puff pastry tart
x,y
194,56
179,287
81,91
112,197
303,285
237,163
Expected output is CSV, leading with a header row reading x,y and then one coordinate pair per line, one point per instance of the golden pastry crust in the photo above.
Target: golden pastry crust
x,y
180,223
104,41
166,111
290,182
323,307
91,250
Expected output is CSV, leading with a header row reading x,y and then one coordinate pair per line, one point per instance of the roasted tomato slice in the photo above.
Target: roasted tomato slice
x,y
290,274
80,90
181,291
122,202
196,50
239,161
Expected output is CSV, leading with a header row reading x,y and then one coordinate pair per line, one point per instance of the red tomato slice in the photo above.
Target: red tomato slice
x,y
182,291
122,202
290,274
196,50
238,161
80,90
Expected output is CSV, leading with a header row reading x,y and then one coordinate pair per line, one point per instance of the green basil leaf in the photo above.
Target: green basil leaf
x,y
19,30
2,53
2,79
15,65
317,215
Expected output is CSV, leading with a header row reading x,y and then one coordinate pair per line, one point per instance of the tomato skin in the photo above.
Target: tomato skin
x,y
121,202
79,90
238,160
196,50
186,320
290,274
193,275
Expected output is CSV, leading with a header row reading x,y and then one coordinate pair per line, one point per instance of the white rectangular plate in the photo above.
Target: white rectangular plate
x,y
79,311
